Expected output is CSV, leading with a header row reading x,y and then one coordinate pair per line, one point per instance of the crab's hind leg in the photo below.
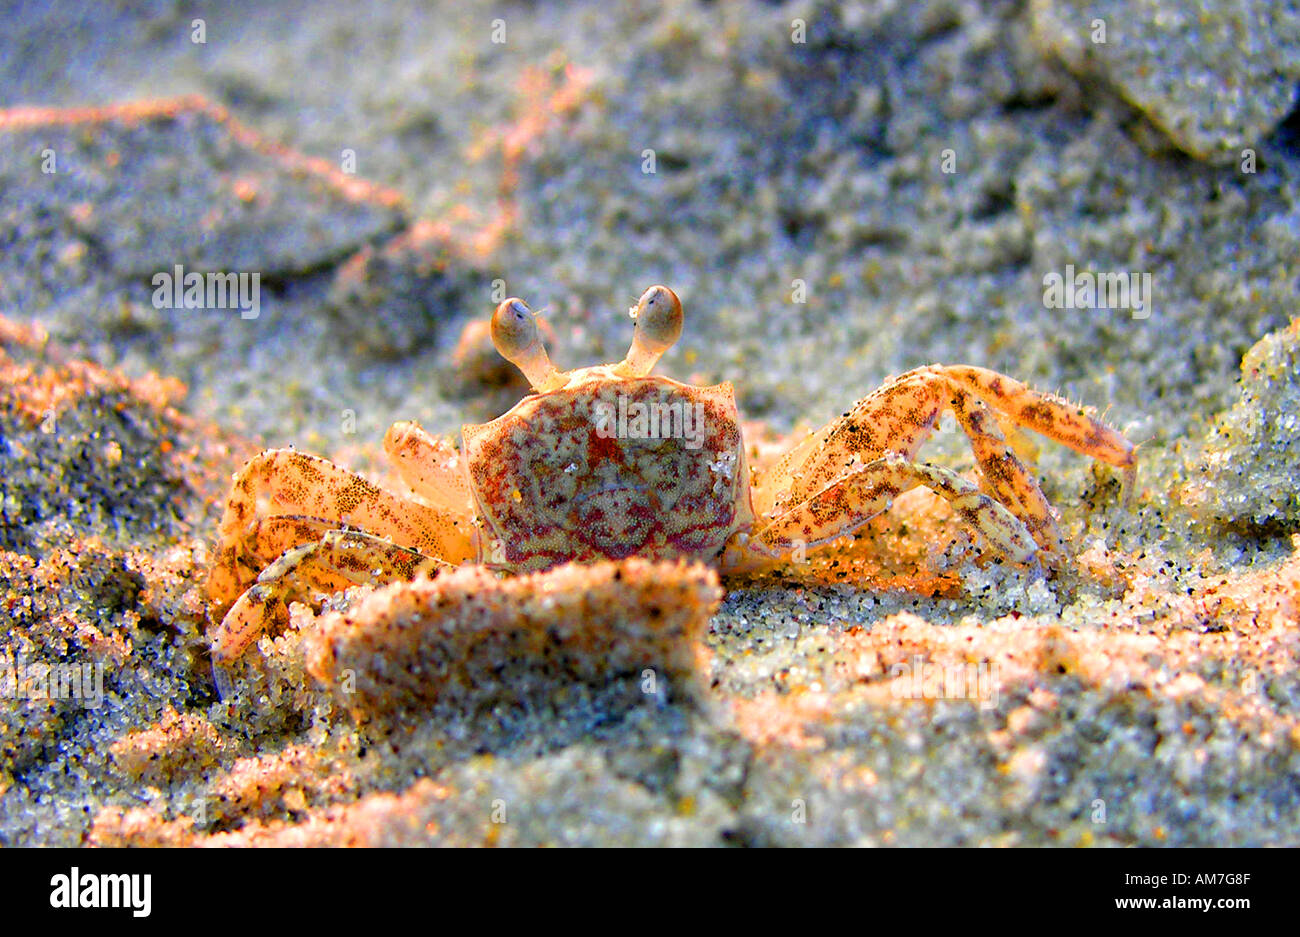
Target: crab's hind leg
x,y
858,495
347,556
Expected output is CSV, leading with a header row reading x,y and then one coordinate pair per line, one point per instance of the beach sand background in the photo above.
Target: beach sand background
x,y
1145,695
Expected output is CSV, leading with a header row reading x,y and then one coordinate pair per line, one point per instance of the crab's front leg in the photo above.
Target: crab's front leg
x,y
285,504
291,497
430,465
299,573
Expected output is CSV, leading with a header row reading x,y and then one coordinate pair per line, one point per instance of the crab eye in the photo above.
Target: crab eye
x,y
514,331
517,339
658,315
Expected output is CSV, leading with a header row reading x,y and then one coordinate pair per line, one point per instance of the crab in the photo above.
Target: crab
x,y
610,461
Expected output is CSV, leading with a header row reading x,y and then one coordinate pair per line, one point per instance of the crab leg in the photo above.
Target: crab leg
x,y
298,483
897,419
349,556
241,559
1067,423
295,483
860,494
1004,476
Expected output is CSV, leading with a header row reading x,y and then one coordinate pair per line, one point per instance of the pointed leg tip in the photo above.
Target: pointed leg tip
x,y
223,678
1129,487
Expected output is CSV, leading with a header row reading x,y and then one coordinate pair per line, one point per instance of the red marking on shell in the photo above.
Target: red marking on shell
x,y
597,479
603,447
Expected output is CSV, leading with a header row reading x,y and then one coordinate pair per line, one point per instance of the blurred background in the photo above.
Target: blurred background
x,y
781,166
839,192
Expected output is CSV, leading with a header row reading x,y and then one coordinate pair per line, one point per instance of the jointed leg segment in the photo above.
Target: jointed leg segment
x,y
337,559
851,469
861,494
320,527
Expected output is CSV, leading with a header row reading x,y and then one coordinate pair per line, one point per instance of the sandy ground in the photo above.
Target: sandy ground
x,y
381,172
